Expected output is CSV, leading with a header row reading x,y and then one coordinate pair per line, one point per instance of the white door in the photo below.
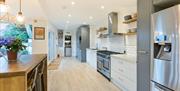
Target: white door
x,y
51,46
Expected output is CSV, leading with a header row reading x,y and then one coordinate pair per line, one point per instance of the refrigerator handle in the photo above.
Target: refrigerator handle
x,y
161,88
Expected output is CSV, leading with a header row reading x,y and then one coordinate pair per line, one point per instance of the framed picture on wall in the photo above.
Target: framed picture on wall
x,y
39,33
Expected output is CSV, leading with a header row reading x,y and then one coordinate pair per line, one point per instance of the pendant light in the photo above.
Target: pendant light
x,y
20,17
3,7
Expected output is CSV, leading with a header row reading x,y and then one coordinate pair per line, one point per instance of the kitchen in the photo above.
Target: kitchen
x,y
98,45
115,52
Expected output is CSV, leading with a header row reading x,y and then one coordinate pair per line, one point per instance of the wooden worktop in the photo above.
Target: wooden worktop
x,y
24,65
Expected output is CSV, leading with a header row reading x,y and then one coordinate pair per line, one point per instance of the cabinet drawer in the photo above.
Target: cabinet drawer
x,y
124,68
117,63
119,84
132,76
124,83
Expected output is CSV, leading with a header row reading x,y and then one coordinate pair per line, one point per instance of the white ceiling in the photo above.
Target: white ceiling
x,y
57,11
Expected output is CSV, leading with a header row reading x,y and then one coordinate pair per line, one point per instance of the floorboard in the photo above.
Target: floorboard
x,y
75,76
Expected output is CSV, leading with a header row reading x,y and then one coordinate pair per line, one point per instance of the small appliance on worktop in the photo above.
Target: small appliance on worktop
x,y
104,62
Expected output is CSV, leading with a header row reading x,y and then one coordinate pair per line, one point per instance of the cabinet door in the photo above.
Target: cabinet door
x,y
94,59
123,74
88,56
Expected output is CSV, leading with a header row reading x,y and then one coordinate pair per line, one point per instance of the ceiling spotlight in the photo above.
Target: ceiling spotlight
x,y
69,15
102,7
73,3
90,17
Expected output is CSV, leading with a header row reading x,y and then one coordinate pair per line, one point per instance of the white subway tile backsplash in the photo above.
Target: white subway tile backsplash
x,y
120,43
131,40
131,50
131,44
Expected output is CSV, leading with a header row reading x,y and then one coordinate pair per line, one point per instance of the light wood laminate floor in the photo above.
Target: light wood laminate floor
x,y
75,76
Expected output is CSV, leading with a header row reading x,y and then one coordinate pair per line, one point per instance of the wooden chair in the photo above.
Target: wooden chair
x,y
40,80
32,80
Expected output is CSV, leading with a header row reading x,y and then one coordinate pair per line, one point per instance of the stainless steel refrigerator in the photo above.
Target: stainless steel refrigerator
x,y
165,64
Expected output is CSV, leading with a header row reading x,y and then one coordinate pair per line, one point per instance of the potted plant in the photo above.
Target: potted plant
x,y
13,46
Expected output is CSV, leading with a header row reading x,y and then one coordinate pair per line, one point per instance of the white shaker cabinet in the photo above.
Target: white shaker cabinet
x,y
124,73
91,57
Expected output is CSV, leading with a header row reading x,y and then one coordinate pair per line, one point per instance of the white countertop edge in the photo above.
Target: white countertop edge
x,y
126,57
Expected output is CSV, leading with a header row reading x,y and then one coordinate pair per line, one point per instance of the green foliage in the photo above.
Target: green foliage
x,y
15,31
16,45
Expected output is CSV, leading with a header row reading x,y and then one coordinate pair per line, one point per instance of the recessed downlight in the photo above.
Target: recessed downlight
x,y
69,15
73,3
102,7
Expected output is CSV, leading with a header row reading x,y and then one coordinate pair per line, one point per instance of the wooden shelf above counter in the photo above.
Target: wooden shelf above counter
x,y
130,21
134,33
101,29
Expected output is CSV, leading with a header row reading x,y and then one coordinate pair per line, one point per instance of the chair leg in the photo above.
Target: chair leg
x,y
42,82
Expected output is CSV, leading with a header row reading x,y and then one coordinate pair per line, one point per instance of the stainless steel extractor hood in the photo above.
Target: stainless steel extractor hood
x,y
113,23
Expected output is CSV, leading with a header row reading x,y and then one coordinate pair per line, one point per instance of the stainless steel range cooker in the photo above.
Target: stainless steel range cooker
x,y
104,63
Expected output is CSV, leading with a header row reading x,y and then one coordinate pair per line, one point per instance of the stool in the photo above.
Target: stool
x,y
32,80
40,80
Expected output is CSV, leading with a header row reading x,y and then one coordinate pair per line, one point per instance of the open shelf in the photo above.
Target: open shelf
x,y
133,33
130,21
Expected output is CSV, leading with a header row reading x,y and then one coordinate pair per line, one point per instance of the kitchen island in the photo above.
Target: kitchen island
x,y
14,75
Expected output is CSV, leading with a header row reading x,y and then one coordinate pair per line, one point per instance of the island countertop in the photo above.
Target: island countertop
x,y
24,65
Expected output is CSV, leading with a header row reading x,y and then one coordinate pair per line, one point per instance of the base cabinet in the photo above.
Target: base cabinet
x,y
123,74
91,58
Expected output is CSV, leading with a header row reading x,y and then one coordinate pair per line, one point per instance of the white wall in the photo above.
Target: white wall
x,y
40,46
93,39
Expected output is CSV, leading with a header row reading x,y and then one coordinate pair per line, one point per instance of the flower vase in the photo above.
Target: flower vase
x,y
12,56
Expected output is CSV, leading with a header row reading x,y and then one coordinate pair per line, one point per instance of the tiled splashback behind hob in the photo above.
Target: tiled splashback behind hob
x,y
119,43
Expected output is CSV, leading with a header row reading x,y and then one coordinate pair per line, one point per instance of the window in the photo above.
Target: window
x,y
23,32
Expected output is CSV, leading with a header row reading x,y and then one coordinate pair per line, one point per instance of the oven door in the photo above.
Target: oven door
x,y
106,65
99,64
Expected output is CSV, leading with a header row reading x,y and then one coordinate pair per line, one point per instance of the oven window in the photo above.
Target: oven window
x,y
99,65
106,64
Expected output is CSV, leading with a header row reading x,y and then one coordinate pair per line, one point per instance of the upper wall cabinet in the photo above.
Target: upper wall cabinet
x,y
165,3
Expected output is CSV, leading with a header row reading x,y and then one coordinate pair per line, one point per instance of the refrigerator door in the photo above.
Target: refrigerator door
x,y
158,87
166,72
